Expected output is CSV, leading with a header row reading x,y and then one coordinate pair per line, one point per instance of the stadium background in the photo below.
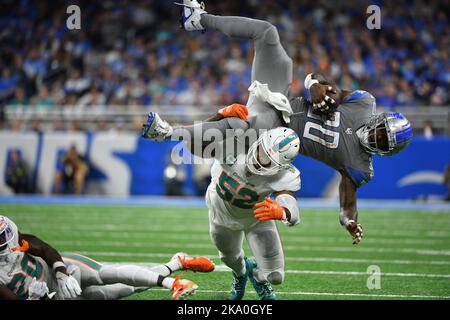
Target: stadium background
x,y
93,87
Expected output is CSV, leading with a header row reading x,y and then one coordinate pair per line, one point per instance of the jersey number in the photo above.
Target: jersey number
x,y
316,132
30,268
226,184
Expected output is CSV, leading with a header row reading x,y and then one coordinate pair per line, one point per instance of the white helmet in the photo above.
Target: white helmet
x,y
6,236
273,151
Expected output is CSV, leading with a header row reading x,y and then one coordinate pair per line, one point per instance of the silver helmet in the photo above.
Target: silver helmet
x,y
386,134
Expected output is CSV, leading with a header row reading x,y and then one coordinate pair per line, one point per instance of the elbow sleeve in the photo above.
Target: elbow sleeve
x,y
289,202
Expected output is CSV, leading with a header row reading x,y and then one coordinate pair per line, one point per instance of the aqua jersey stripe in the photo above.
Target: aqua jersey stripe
x,y
84,259
287,140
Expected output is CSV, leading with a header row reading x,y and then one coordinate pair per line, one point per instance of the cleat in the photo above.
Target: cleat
x,y
196,264
156,129
238,285
182,288
263,289
191,14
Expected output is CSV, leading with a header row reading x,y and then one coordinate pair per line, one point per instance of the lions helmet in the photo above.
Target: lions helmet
x,y
386,134
6,236
273,151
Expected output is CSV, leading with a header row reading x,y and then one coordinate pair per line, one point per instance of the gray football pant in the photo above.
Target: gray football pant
x,y
112,282
265,244
271,65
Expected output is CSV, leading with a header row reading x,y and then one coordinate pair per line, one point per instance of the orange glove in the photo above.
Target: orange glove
x,y
269,210
235,110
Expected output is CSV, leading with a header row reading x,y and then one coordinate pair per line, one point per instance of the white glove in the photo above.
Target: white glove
x,y
37,290
68,286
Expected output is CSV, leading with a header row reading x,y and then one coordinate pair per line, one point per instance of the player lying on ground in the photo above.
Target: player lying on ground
x,y
337,127
31,269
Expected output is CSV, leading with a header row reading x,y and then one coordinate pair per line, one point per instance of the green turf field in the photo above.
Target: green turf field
x,y
412,248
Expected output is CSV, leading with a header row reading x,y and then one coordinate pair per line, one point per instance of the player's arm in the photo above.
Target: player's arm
x,y
7,294
234,110
283,208
348,214
67,284
39,248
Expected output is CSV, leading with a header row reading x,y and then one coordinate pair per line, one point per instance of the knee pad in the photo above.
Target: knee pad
x,y
276,277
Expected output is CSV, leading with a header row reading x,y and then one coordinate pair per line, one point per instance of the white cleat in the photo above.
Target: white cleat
x,y
191,14
179,255
156,128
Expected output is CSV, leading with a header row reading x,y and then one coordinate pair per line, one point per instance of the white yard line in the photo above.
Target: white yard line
x,y
297,259
384,274
223,268
350,248
287,239
339,294
201,228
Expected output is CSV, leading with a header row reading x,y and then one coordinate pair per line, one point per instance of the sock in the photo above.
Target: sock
x,y
168,283
168,268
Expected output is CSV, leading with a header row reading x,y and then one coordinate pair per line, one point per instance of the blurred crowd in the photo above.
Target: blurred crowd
x,y
134,53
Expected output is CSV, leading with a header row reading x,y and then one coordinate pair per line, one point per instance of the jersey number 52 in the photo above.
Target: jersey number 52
x,y
247,197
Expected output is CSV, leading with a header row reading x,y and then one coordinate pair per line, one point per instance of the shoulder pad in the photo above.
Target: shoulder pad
x,y
358,95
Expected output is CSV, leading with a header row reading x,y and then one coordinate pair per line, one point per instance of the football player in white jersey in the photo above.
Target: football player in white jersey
x,y
239,205
32,269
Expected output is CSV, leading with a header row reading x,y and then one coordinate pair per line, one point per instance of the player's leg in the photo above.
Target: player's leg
x,y
87,272
109,292
265,243
198,136
271,63
225,233
182,261
229,244
93,273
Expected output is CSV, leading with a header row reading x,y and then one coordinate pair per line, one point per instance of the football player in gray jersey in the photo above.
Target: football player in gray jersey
x,y
339,128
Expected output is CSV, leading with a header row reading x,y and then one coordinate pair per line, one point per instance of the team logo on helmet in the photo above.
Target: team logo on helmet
x,y
274,150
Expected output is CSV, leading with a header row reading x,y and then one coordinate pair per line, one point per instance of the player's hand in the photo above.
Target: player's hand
x,y
68,286
235,110
269,210
320,96
37,290
355,230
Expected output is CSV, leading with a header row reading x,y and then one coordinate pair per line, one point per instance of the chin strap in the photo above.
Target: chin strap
x,y
23,248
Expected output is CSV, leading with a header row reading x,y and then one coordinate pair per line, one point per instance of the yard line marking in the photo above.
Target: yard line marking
x,y
418,251
300,259
304,293
333,240
224,268
201,229
356,273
